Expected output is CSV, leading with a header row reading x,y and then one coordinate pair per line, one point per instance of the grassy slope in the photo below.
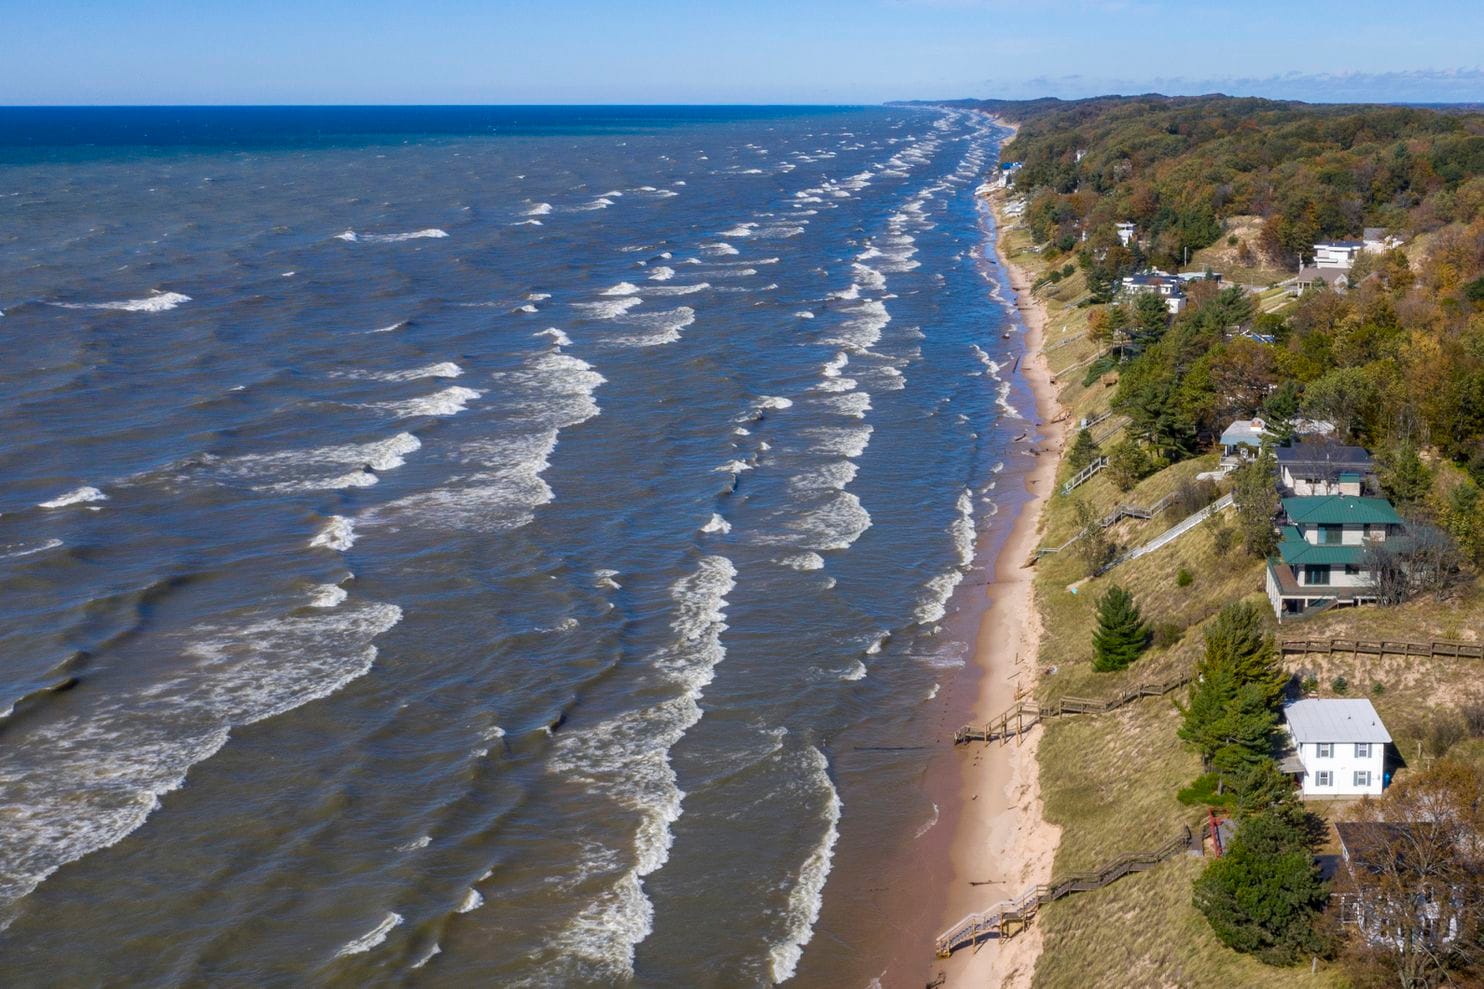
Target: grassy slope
x,y
1110,781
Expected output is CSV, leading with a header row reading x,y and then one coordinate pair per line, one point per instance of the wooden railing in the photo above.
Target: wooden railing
x,y
1008,916
1026,714
1084,475
1384,647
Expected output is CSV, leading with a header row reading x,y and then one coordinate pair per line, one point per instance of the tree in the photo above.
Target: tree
x,y
1093,545
1232,711
1256,499
1344,396
1151,317
1263,895
1084,451
1403,474
1128,464
1121,633
1416,880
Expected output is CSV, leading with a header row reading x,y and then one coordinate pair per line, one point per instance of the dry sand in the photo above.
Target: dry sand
x,y
1000,837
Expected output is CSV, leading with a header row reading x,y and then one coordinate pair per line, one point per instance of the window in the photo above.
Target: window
x,y
1331,535
1362,750
1316,575
1362,779
1325,750
1324,778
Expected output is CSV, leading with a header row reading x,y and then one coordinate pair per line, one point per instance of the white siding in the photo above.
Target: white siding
x,y
1342,765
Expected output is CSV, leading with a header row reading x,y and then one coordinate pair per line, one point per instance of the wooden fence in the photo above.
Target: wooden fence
x,y
1009,916
1024,715
1383,647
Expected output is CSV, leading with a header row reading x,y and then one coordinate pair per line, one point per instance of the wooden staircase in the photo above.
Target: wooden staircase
x,y
1010,916
1026,714
1084,475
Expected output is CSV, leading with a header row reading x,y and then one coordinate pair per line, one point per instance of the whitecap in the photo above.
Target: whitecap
x,y
17,550
856,672
449,401
157,302
661,274
353,237
557,337
608,309
371,938
339,533
75,497
802,561
539,209
328,596
717,524
472,901
807,894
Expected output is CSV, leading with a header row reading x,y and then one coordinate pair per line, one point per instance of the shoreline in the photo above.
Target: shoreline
x,y
1000,838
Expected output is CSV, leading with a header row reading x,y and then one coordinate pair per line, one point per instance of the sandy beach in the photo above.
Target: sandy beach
x,y
1000,841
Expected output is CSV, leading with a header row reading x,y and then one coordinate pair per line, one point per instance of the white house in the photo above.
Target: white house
x,y
1377,242
1166,286
1243,439
1318,467
1336,279
1125,233
1339,745
1337,253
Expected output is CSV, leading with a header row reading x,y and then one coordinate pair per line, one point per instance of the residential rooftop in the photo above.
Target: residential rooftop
x,y
1334,719
1320,452
1339,510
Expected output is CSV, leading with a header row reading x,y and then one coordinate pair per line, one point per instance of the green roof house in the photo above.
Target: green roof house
x,y
1322,550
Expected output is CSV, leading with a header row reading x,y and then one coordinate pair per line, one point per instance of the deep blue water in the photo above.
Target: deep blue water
x,y
464,546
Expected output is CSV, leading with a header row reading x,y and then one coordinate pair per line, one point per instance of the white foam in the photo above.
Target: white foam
x,y
339,533
539,209
807,895
931,821
389,329
856,672
608,309
655,328
740,230
94,773
963,528
804,314
720,247
557,337
448,402
353,237
863,329
622,288
17,550
626,760
443,369
773,402
528,307
427,956
371,938
802,561
76,496
661,274
717,524
472,901
734,467
834,523
328,596
157,302
854,404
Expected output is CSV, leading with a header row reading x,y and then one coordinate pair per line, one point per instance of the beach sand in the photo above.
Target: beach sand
x,y
1000,838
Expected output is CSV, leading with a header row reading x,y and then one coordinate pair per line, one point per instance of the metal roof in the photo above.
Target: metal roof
x,y
1297,552
1319,452
1340,509
1334,719
1244,431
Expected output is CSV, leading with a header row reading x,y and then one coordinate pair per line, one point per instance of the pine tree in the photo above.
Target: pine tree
x,y
1232,711
1256,498
1237,638
1084,451
1121,633
1263,895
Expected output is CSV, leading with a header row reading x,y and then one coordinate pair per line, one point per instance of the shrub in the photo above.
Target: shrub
x,y
1166,634
1446,729
1231,241
1473,719
1128,464
1202,792
1378,688
1184,578
1310,684
1223,537
1191,496
1339,685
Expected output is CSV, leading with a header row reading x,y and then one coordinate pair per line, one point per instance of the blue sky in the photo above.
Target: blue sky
x,y
745,51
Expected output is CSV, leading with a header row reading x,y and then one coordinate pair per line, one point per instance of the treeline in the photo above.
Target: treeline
x,y
1176,167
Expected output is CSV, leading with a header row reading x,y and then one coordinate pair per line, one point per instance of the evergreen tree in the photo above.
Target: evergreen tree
x,y
1121,633
1262,896
1232,711
1084,451
1256,498
1128,464
1404,476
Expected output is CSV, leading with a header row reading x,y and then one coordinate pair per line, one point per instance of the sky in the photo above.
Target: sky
x,y
743,51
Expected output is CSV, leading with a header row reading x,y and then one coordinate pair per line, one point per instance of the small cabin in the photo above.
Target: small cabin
x,y
1339,746
1243,440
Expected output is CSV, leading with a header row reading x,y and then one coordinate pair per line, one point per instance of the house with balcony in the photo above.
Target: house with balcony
x,y
1168,287
1321,560
1338,747
1317,467
1416,914
1125,232
1339,254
